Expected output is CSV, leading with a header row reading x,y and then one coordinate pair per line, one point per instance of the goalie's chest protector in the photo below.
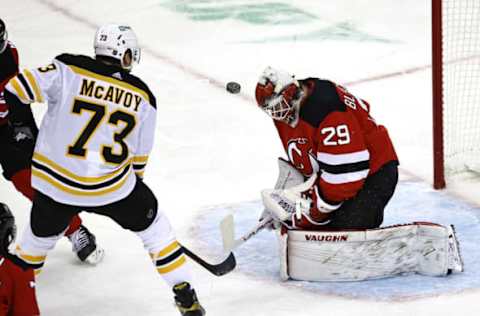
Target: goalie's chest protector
x,y
336,135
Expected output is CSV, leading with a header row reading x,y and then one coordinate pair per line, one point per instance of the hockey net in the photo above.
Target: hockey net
x,y
456,87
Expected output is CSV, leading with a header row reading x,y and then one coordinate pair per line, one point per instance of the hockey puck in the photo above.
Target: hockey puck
x,y
233,87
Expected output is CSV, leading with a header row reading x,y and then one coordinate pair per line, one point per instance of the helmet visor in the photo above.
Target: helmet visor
x,y
131,57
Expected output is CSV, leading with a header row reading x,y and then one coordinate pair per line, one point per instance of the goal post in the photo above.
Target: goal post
x,y
455,88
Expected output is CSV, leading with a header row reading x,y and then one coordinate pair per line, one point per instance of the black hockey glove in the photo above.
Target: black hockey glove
x,y
23,138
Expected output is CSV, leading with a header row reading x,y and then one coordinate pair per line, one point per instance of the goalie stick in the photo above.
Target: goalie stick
x,y
227,227
219,269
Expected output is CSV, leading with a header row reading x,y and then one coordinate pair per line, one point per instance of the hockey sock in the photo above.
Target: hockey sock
x,y
165,251
75,224
33,249
22,182
170,263
35,262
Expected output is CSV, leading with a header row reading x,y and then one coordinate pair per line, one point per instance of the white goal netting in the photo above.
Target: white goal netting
x,y
461,85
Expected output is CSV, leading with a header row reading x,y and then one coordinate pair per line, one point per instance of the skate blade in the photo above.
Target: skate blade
x,y
95,257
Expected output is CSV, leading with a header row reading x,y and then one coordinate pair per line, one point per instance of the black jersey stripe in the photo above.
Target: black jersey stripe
x,y
82,186
345,168
26,86
169,258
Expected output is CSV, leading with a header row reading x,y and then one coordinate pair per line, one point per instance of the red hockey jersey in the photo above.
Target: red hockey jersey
x,y
8,69
17,290
336,138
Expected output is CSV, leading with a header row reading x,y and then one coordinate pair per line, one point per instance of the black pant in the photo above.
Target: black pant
x,y
135,212
365,210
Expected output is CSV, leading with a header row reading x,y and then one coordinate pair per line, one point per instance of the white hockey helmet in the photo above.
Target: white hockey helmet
x,y
118,42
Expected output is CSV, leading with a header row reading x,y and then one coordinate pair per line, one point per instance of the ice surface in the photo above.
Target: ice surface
x,y
214,148
413,201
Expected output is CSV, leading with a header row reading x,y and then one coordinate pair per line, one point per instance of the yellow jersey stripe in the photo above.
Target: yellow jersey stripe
x,y
69,190
172,266
111,80
69,174
33,84
19,91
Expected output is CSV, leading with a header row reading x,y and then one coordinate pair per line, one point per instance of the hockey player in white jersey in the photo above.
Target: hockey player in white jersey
x,y
91,152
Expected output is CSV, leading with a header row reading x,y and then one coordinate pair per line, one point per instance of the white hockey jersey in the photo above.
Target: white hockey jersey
x,y
97,133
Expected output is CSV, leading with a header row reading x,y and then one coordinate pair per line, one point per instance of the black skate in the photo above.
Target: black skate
x,y
186,300
85,246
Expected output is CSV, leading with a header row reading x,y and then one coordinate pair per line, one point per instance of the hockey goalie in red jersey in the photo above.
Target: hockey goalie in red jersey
x,y
328,132
330,195
17,282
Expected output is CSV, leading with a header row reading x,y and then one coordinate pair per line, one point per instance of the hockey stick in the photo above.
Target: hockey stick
x,y
219,269
227,227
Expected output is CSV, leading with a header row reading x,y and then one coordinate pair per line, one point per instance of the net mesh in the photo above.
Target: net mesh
x,y
461,85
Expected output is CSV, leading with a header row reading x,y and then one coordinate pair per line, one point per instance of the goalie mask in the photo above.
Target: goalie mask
x,y
8,229
118,42
278,94
3,36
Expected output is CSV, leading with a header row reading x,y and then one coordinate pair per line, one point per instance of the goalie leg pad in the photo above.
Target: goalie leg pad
x,y
423,248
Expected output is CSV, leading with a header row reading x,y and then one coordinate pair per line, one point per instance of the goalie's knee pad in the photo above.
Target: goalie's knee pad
x,y
423,248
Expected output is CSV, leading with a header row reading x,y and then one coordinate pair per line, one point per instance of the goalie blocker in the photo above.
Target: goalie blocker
x,y
420,247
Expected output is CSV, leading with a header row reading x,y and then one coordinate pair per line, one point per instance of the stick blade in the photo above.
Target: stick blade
x,y
226,266
218,269
227,228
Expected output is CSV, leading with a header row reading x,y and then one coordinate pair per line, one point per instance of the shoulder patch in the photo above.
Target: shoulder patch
x,y
89,64
322,101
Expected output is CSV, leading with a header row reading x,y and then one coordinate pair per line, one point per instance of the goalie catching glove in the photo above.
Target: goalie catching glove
x,y
291,205
295,202
288,176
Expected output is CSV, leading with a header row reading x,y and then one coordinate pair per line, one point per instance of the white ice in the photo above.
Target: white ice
x,y
215,151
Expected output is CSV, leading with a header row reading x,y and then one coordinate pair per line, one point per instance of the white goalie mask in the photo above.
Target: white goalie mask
x,y
118,42
278,94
